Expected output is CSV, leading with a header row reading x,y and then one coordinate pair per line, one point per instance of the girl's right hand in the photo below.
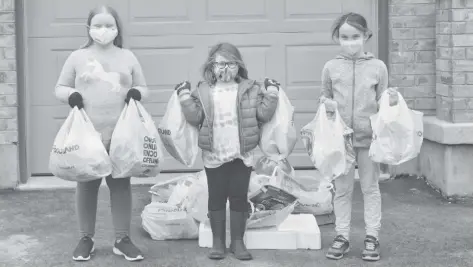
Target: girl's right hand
x,y
330,105
183,90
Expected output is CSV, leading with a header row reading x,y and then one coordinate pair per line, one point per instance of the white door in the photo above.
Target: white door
x,y
288,40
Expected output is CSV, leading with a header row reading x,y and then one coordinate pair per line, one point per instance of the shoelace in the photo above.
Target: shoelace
x,y
370,246
337,244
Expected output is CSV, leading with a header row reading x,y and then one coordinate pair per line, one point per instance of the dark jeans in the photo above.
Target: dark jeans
x,y
229,181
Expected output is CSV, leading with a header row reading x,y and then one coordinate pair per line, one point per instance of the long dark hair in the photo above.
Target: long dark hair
x,y
228,51
118,42
353,19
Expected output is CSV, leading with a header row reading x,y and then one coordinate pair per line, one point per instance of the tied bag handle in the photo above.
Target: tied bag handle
x,y
390,113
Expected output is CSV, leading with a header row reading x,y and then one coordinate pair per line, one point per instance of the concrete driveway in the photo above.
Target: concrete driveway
x,y
38,228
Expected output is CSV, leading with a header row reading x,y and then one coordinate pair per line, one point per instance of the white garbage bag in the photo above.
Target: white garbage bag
x,y
314,194
266,166
78,153
279,136
197,198
135,148
179,137
397,132
324,141
164,221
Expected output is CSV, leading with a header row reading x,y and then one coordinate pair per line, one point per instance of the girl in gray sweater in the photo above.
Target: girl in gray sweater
x,y
103,102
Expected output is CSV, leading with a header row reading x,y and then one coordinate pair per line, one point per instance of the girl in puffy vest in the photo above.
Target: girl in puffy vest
x,y
228,109
353,82
103,103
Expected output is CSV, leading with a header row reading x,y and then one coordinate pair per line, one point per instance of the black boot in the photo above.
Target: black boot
x,y
218,225
238,227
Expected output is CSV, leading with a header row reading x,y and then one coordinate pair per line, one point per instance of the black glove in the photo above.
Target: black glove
x,y
75,100
133,93
180,88
270,82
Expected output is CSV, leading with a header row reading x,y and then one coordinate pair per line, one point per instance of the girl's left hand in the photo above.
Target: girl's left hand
x,y
271,85
393,96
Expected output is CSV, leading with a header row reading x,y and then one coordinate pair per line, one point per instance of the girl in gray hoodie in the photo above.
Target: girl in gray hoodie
x,y
353,82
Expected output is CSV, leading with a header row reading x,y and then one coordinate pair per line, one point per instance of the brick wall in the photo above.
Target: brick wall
x,y
455,60
8,96
412,52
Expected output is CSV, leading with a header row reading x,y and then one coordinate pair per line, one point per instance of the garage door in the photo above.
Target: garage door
x,y
285,39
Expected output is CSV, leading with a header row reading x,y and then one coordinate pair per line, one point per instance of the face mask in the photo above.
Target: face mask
x,y
225,75
103,36
351,47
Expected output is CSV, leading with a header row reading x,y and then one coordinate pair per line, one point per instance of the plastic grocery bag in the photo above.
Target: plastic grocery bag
x,y
269,207
324,140
197,198
266,166
279,136
174,191
314,194
317,200
397,132
78,153
179,137
164,221
135,148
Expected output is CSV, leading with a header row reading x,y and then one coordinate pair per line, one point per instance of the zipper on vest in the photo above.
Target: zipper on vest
x,y
353,99
242,141
206,118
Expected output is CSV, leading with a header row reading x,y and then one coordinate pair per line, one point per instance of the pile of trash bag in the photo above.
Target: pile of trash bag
x,y
166,217
313,194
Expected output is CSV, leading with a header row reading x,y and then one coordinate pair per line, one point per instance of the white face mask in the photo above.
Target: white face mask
x,y
103,36
351,47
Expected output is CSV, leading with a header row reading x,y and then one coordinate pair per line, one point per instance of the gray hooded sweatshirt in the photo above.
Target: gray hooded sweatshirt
x,y
356,85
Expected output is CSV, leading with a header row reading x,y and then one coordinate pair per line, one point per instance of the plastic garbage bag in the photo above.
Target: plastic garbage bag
x,y
397,132
179,137
266,166
279,136
317,200
174,190
166,217
269,207
135,148
324,140
164,221
197,198
78,153
314,194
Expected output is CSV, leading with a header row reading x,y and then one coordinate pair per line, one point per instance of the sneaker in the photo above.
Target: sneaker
x,y
84,249
124,247
371,251
339,248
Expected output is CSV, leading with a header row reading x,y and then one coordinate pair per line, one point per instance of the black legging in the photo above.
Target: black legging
x,y
229,181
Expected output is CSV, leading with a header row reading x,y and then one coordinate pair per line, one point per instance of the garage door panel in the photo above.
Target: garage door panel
x,y
59,18
256,60
160,11
46,121
230,10
46,58
310,9
164,67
